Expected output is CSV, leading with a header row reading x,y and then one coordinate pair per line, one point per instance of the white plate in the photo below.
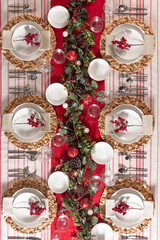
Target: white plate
x,y
58,16
19,55
133,34
58,182
21,217
56,94
98,69
21,46
102,231
24,132
133,217
133,115
102,153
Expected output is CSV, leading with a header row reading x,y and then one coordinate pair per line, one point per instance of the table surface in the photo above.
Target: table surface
x,y
112,83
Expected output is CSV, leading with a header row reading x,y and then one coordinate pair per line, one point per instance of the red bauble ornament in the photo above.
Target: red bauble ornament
x,y
87,99
72,151
84,203
71,55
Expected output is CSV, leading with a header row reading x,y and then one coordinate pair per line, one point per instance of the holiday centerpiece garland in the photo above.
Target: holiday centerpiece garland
x,y
79,166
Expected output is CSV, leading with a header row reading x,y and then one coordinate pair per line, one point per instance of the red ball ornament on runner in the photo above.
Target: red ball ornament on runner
x,y
84,203
87,99
71,55
72,151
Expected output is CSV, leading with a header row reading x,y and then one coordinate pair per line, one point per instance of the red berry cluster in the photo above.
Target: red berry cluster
x,y
122,207
35,122
122,44
76,12
30,39
35,209
121,124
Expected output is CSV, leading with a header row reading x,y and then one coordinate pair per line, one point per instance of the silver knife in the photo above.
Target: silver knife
x,y
22,10
31,72
28,238
130,175
133,94
122,13
17,157
21,151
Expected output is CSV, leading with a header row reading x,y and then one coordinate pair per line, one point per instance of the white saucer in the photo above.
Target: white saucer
x,y
133,115
98,69
36,54
133,217
133,33
21,216
24,132
58,182
102,153
58,16
102,231
56,94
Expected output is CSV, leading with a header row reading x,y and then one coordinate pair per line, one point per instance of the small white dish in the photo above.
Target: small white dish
x,y
58,182
24,132
133,115
37,53
98,69
133,217
102,153
102,231
58,16
21,45
22,216
56,94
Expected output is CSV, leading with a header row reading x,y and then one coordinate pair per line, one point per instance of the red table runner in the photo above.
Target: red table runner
x,y
94,9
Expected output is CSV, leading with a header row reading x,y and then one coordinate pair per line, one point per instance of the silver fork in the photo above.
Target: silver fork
x,y
28,175
22,11
20,88
17,6
19,170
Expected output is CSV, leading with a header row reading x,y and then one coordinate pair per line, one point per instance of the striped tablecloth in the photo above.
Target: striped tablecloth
x,y
112,83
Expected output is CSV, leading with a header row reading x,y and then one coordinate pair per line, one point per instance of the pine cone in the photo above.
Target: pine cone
x,y
82,42
75,163
80,89
84,14
70,137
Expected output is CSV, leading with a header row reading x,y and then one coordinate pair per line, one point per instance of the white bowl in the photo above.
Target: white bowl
x,y
58,182
56,94
98,69
102,153
102,231
58,16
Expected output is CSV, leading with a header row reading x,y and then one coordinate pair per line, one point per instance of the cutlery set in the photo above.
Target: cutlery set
x,y
30,155
18,90
20,9
126,91
123,8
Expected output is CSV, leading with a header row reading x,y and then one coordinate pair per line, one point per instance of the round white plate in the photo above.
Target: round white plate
x,y
133,217
21,217
58,182
56,94
102,153
22,56
102,231
133,115
25,132
98,69
21,46
133,34
58,16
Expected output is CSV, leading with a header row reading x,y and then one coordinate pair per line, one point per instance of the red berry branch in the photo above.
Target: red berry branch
x,y
34,122
122,44
34,208
30,39
121,123
122,207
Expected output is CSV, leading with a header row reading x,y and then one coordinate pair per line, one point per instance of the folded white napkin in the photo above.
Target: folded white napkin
x,y
8,209
110,203
7,122
148,45
7,40
45,40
